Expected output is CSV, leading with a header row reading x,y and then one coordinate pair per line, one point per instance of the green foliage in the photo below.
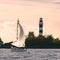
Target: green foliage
x,y
42,42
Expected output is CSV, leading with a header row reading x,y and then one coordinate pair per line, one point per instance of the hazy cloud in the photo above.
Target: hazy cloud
x,y
46,1
18,1
41,0
24,2
56,1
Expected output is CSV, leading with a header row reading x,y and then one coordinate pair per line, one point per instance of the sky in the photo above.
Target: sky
x,y
29,13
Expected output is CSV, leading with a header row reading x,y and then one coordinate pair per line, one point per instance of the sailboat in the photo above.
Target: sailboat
x,y
16,45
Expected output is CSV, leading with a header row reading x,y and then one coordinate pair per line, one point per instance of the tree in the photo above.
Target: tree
x,y
7,45
29,42
1,42
42,41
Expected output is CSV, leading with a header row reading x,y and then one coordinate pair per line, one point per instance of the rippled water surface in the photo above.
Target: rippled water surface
x,y
30,54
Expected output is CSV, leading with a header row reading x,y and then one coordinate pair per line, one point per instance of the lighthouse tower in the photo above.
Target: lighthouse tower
x,y
41,26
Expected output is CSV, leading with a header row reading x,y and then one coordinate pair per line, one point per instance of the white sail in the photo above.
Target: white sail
x,y
20,35
21,32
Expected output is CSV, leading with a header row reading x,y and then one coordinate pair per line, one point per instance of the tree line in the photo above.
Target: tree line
x,y
5,45
42,41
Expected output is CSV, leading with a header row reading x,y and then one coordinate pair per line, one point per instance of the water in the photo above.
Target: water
x,y
30,54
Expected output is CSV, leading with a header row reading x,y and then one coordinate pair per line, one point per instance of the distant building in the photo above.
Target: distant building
x,y
41,26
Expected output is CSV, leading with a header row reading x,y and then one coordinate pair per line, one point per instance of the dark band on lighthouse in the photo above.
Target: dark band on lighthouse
x,y
41,26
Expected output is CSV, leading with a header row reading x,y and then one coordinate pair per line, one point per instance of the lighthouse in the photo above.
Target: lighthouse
x,y
41,26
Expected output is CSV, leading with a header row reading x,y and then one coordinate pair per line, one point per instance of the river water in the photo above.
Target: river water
x,y
30,54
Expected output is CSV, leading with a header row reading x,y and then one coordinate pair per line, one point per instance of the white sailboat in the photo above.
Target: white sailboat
x,y
19,37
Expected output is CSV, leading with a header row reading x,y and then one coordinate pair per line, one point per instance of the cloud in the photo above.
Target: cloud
x,y
56,1
40,0
21,1
9,1
7,24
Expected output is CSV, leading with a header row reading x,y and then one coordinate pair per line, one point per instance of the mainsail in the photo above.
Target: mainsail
x,y
20,35
20,31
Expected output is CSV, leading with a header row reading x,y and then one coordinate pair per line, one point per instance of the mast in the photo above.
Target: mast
x,y
17,29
